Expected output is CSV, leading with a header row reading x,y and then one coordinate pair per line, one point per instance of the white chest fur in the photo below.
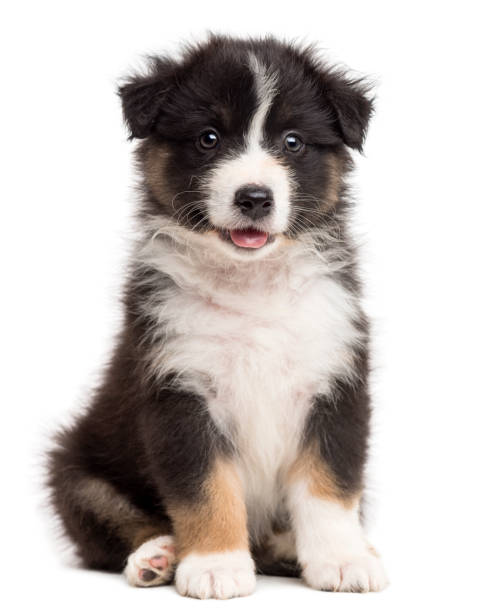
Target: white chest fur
x,y
258,341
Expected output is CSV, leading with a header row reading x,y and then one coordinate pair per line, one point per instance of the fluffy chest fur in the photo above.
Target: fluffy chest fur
x,y
258,341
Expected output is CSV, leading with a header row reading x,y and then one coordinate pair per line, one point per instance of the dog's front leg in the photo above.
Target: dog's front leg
x,y
324,491
203,496
213,540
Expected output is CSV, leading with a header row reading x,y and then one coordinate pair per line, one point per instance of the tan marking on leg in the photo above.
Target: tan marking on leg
x,y
217,523
321,481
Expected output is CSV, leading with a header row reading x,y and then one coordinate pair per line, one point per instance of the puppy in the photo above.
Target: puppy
x,y
230,431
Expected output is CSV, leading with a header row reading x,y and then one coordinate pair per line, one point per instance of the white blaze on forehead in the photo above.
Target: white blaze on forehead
x,y
253,164
265,84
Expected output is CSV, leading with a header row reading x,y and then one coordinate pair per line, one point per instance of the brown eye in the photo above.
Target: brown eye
x,y
293,143
209,139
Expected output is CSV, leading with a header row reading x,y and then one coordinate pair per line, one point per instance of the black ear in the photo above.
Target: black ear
x,y
142,96
351,103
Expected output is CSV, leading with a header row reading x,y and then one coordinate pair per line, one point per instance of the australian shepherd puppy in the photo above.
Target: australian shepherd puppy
x,y
230,431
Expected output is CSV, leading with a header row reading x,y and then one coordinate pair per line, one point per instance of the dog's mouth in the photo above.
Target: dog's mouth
x,y
248,238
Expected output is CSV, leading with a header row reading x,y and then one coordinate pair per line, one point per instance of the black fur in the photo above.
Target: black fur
x,y
338,428
174,102
152,442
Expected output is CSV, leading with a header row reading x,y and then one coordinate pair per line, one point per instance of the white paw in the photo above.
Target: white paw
x,y
218,575
152,563
356,574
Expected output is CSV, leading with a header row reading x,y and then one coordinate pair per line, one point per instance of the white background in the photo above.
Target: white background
x,y
66,198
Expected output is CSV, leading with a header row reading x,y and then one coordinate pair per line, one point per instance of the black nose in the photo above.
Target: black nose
x,y
254,201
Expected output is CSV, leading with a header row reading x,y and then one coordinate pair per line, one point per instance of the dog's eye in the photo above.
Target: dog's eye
x,y
209,139
293,143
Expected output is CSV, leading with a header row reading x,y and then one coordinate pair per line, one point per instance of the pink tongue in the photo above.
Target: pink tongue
x,y
249,238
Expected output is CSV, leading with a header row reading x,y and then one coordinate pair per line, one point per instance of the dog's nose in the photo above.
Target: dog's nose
x,y
254,201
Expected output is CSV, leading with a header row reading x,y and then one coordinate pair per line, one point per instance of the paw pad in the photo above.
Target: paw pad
x,y
147,575
152,563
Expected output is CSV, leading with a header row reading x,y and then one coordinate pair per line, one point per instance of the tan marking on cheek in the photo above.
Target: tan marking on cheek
x,y
216,523
155,160
322,484
335,171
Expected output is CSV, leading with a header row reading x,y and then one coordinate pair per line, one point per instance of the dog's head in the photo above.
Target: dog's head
x,y
244,141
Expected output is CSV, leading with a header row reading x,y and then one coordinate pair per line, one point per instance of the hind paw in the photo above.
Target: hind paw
x,y
152,563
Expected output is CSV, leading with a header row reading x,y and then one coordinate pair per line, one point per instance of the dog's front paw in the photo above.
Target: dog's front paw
x,y
354,574
219,575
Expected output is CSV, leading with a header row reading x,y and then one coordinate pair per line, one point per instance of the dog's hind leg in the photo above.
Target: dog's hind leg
x,y
109,532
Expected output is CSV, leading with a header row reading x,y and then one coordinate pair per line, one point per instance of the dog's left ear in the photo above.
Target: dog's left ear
x,y
351,104
142,96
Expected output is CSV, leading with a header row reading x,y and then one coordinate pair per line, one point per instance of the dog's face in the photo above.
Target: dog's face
x,y
245,141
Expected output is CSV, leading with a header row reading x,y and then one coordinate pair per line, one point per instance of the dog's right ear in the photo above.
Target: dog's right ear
x,y
142,96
